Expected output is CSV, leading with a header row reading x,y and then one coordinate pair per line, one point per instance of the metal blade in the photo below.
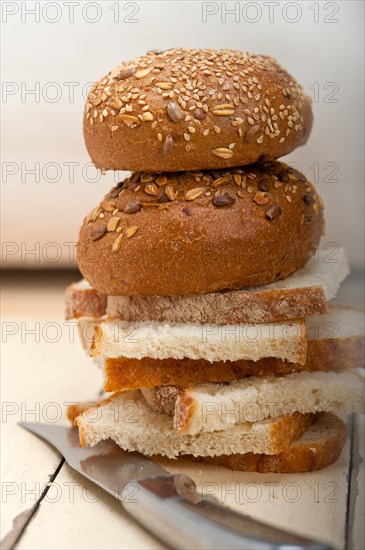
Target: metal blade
x,y
106,464
166,508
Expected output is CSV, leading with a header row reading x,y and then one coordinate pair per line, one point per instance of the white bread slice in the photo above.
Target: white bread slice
x,y
335,343
319,447
86,329
133,425
212,407
211,342
81,300
304,293
341,322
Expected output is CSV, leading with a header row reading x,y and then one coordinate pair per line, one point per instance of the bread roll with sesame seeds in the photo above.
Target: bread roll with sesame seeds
x,y
189,233
184,109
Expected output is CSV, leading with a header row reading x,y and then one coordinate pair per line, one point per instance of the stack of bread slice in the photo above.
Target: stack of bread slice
x,y
206,298
265,402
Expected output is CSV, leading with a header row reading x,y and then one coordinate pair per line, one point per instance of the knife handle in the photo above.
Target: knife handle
x,y
171,509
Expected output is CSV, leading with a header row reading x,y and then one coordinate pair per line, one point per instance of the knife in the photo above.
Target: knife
x,y
166,505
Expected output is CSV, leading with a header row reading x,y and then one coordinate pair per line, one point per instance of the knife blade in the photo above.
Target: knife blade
x,y
167,505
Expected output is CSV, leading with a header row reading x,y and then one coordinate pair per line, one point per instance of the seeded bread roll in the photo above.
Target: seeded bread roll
x,y
183,109
200,232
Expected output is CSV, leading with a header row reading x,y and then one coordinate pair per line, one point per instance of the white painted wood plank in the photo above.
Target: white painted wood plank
x,y
357,501
25,466
44,376
104,525
37,377
312,504
25,469
76,515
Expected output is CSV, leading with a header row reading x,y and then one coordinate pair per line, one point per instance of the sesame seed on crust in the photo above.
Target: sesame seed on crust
x,y
146,109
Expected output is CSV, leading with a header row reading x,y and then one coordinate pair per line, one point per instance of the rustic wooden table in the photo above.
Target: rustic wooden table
x,y
46,505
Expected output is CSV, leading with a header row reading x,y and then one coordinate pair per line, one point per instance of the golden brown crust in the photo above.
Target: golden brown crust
x,y
336,354
200,232
77,420
163,400
96,337
193,109
279,433
230,307
77,409
307,454
184,412
322,355
73,411
287,429
85,302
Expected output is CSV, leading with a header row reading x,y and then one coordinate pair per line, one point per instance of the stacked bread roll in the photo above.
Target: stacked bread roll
x,y
205,281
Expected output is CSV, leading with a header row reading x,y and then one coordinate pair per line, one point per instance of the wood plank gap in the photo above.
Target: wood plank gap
x,y
354,463
21,522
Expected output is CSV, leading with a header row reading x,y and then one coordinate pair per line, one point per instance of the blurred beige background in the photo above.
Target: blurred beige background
x,y
50,55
